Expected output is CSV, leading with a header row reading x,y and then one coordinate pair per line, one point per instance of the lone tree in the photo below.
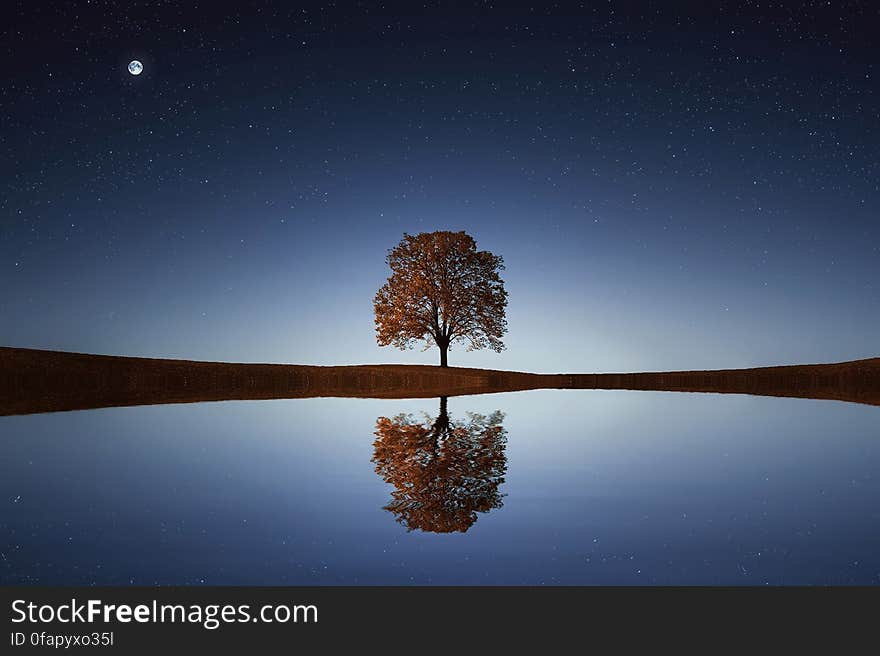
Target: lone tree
x,y
441,290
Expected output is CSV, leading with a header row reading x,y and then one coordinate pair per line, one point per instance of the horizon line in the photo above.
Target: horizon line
x,y
5,349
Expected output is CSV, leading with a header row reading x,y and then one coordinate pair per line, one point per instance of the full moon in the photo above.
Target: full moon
x,y
135,67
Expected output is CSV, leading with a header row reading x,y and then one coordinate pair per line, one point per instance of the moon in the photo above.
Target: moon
x,y
135,67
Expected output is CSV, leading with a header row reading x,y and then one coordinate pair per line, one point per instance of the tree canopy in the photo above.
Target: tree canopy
x,y
443,471
441,290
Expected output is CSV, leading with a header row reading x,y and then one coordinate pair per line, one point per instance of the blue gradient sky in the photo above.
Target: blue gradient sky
x,y
670,188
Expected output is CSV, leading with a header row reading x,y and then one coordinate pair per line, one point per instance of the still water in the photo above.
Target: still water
x,y
536,488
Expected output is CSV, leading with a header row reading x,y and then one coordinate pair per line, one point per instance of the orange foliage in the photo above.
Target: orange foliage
x,y
441,290
444,472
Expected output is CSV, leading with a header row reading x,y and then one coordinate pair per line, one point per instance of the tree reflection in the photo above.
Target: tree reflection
x,y
444,471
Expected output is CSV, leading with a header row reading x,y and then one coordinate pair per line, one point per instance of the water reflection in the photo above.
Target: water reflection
x,y
444,471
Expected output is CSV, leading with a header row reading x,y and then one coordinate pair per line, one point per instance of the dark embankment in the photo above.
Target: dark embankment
x,y
857,381
50,381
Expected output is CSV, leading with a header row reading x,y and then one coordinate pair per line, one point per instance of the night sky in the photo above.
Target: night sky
x,y
671,185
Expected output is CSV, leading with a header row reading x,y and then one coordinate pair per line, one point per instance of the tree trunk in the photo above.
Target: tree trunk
x,y
443,361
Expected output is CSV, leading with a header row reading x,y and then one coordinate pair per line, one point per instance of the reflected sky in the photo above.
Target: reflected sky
x,y
600,488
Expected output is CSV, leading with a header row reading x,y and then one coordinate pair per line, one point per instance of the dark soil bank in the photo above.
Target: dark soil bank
x,y
50,381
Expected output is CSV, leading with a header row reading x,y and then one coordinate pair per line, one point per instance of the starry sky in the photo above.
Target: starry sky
x,y
671,185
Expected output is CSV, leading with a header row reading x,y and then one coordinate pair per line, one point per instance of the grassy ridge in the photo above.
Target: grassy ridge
x,y
48,381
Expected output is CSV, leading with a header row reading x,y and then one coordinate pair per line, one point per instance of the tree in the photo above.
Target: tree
x,y
441,290
443,471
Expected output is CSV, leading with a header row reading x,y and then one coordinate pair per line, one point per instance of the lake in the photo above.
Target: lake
x,y
541,487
